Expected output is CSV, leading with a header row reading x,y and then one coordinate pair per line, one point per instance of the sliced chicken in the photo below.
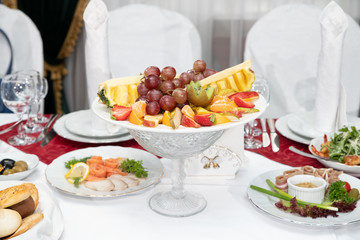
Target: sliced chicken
x,y
131,182
119,184
103,185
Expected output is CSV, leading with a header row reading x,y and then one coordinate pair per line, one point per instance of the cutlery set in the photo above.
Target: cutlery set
x,y
46,136
274,138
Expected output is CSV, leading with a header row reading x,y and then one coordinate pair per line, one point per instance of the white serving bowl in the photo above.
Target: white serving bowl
x,y
330,163
31,160
312,195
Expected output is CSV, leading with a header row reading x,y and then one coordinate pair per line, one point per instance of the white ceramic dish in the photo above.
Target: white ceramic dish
x,y
104,112
352,170
31,160
80,123
301,124
60,129
52,226
266,203
56,170
312,195
282,126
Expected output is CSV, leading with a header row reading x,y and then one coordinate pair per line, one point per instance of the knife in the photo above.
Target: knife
x,y
11,127
275,144
50,135
44,131
265,135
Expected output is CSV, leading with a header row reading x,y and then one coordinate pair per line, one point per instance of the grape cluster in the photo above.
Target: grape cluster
x,y
163,91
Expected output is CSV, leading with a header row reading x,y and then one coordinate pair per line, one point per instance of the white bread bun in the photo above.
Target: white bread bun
x,y
10,221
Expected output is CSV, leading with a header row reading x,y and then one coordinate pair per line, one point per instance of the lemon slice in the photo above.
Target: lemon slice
x,y
78,171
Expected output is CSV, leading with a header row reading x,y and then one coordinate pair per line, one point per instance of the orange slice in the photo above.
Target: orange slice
x,y
139,108
166,118
135,119
187,111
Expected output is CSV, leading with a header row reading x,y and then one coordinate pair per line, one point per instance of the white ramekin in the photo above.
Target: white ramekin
x,y
312,195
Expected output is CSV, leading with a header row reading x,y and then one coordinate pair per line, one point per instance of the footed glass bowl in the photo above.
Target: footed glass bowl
x,y
177,145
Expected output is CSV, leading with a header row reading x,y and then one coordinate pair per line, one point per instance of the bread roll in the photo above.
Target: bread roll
x,y
27,223
33,192
10,221
13,195
24,208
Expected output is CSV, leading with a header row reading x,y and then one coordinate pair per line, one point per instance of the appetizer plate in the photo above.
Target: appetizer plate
x,y
56,170
104,112
301,124
80,123
352,170
60,129
282,126
266,203
52,225
31,160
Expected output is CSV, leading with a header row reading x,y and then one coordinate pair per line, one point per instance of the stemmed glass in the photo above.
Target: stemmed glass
x,y
42,90
17,93
261,86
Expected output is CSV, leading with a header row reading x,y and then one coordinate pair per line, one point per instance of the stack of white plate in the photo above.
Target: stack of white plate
x,y
77,126
297,127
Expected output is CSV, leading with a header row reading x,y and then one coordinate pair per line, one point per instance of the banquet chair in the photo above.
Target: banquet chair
x,y
20,44
284,46
142,35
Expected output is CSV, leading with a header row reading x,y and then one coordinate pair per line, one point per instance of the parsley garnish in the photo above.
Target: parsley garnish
x,y
133,166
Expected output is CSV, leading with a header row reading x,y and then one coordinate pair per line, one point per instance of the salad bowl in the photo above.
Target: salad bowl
x,y
177,144
332,163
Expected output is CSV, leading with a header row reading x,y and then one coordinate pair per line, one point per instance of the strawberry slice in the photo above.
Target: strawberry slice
x,y
120,113
242,103
247,96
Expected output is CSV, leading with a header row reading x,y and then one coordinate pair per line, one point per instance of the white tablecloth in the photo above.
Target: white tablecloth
x,y
228,215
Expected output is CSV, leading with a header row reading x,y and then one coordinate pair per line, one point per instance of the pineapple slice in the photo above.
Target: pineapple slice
x,y
238,78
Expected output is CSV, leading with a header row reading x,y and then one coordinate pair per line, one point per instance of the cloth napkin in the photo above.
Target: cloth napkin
x,y
330,102
96,53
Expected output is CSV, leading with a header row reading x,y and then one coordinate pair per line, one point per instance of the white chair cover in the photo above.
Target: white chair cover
x,y
142,35
284,46
25,39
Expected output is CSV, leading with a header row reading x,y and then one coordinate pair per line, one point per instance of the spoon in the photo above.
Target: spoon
x,y
7,164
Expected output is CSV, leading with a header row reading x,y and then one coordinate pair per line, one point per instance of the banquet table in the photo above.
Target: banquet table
x,y
229,213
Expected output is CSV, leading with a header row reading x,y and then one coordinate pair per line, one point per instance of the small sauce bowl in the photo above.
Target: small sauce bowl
x,y
306,193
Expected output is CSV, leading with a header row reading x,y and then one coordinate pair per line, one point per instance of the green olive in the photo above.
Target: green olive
x,y
8,171
22,164
19,169
354,193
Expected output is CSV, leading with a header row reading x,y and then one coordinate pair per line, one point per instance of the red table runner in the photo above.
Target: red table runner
x,y
59,146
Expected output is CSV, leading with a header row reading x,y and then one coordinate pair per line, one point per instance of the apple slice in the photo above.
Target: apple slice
x,y
205,119
242,103
152,120
188,122
175,118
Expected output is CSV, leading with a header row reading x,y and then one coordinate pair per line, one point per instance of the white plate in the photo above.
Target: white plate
x,y
352,170
266,203
80,123
60,129
52,226
104,112
282,126
56,170
302,124
31,160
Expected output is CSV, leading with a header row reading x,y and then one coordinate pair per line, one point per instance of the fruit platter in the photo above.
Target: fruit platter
x,y
165,101
179,116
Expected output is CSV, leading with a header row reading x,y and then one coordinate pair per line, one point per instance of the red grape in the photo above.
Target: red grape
x,y
167,103
199,66
191,74
185,77
178,83
168,73
167,87
152,82
154,95
142,89
208,72
142,98
179,95
198,77
152,70
152,108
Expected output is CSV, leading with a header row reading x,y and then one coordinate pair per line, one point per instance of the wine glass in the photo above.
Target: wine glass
x,y
261,86
42,89
17,93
